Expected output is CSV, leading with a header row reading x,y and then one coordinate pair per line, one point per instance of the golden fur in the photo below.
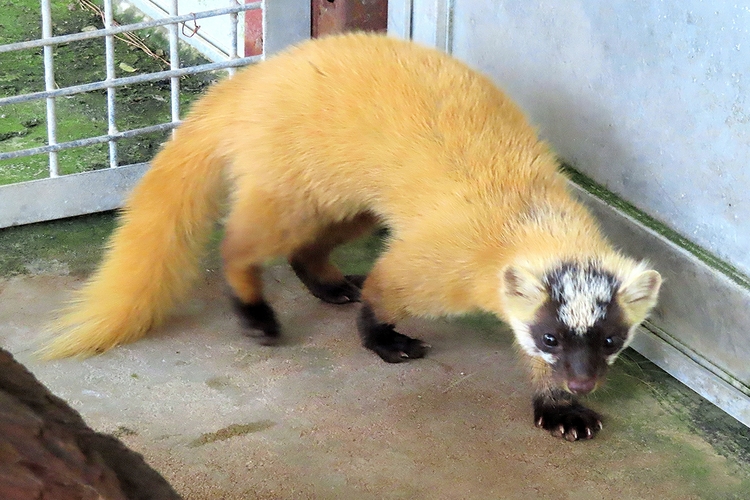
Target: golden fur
x,y
319,143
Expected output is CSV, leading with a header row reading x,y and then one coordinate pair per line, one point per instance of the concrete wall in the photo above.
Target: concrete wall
x,y
649,98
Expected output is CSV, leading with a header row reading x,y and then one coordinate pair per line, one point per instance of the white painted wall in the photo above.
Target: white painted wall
x,y
649,98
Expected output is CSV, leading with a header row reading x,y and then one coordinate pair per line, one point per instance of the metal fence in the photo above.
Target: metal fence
x,y
56,196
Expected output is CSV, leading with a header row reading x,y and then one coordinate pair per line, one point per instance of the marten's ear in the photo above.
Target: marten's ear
x,y
522,293
639,294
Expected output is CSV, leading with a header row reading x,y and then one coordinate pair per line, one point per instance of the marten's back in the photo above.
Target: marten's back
x,y
372,121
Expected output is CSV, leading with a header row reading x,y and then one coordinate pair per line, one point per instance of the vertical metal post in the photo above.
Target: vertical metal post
x,y
174,62
285,22
49,84
109,48
400,14
233,35
430,23
444,28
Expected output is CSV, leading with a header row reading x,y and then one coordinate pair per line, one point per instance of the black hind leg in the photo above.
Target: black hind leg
x,y
259,320
340,291
312,266
257,317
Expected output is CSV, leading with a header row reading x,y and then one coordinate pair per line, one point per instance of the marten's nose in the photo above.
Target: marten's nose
x,y
581,385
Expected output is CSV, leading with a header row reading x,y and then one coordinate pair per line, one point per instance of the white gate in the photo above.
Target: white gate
x,y
57,196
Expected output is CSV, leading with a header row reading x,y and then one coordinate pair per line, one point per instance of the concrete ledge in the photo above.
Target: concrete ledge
x,y
67,196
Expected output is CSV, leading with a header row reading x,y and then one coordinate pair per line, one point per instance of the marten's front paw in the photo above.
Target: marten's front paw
x,y
394,347
387,343
569,420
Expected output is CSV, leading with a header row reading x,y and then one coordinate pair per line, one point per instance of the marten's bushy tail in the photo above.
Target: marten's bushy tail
x,y
153,256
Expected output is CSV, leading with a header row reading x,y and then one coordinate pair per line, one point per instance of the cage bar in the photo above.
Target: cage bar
x,y
49,84
109,44
174,62
103,189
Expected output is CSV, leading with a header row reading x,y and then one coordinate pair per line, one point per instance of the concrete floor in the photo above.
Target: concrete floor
x,y
320,417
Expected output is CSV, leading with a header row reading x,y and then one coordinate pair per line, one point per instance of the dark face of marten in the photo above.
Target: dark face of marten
x,y
581,328
577,317
579,357
573,320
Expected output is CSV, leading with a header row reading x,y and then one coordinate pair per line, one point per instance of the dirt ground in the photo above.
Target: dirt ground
x,y
320,417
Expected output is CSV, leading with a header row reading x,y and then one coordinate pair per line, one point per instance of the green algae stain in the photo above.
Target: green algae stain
x,y
230,432
689,438
78,242
124,431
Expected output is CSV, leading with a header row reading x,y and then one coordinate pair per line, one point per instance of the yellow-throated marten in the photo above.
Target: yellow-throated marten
x,y
319,144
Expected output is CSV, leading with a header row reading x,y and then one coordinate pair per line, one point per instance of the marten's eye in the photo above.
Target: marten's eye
x,y
550,340
612,343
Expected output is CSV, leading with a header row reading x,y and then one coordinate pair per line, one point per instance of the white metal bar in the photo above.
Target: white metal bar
x,y
724,394
233,20
174,62
119,82
88,141
49,84
86,35
444,31
400,18
432,23
109,45
84,193
65,196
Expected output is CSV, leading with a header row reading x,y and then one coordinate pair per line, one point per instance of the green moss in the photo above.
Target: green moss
x,y
10,126
124,431
231,431
75,243
358,256
643,404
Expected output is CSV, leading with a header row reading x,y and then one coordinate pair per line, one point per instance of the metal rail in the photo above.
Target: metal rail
x,y
284,22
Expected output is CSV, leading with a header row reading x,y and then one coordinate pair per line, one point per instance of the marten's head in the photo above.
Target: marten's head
x,y
578,316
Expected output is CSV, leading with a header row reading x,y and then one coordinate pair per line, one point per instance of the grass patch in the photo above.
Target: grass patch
x,y
79,116
358,257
